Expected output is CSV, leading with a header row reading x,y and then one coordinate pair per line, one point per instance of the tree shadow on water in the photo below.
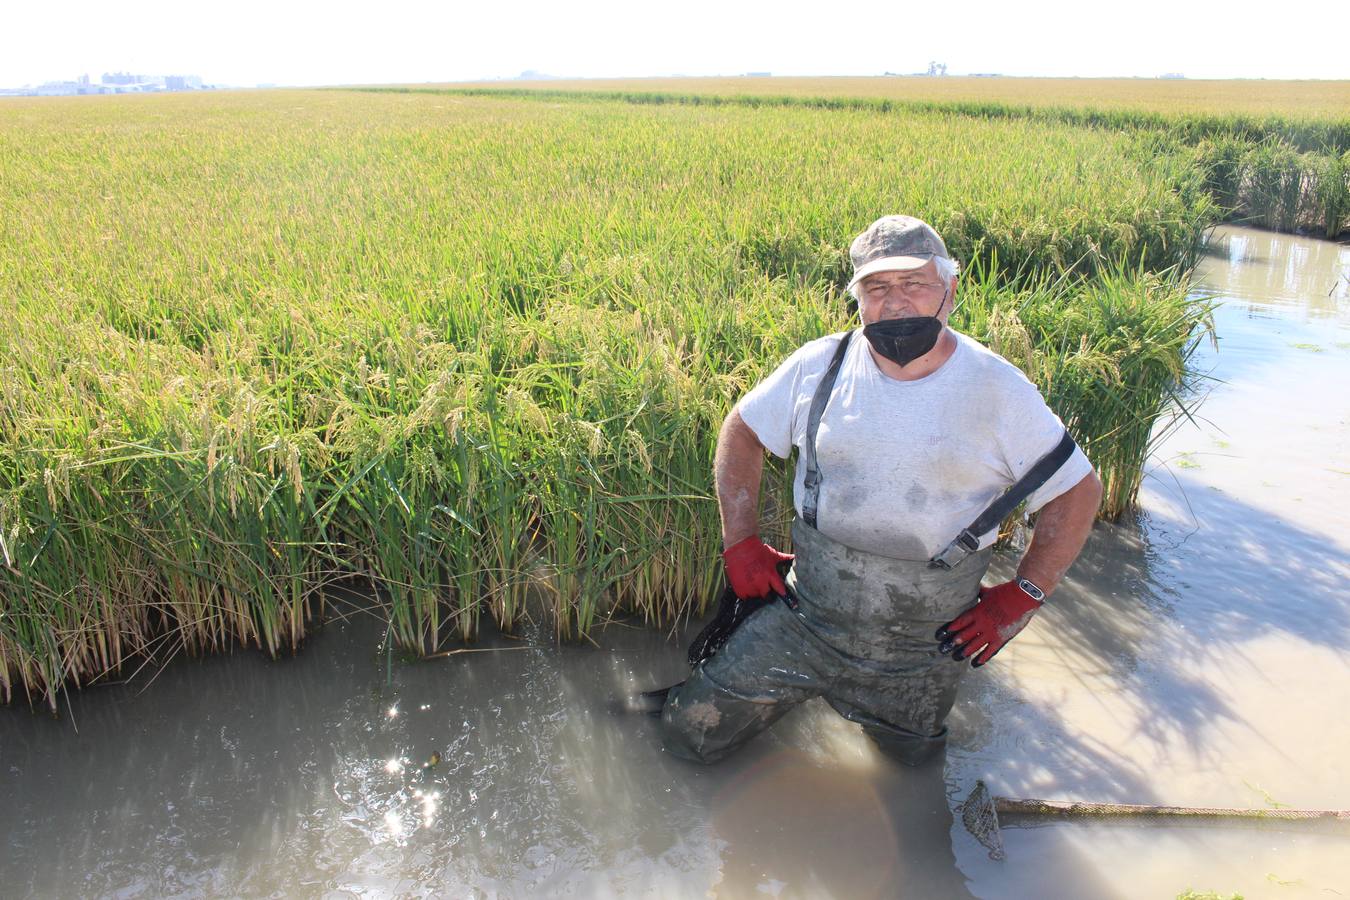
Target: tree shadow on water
x,y
1240,572
1146,630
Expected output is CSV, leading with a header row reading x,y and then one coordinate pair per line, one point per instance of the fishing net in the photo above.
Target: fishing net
x,y
981,820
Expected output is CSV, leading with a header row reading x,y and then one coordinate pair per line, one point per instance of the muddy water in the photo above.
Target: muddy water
x,y
1200,656
1195,656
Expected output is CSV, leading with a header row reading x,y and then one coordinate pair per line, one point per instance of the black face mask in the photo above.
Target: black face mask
x,y
904,340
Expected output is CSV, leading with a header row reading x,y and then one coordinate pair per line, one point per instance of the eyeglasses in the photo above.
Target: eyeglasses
x,y
907,288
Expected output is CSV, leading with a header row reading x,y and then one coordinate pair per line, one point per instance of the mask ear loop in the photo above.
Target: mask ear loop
x,y
955,306
945,294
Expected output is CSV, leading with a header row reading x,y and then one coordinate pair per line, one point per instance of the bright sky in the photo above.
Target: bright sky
x,y
245,42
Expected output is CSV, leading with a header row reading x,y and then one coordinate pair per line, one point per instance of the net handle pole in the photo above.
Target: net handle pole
x,y
1063,809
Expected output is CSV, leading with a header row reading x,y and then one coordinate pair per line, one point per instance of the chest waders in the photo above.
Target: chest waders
x,y
856,629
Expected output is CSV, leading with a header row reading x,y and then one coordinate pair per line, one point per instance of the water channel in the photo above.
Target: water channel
x,y
1197,655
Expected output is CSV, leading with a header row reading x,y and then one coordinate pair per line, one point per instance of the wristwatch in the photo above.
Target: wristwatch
x,y
1030,589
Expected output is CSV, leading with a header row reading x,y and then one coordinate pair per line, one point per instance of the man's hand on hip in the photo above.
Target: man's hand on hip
x,y
1003,611
752,568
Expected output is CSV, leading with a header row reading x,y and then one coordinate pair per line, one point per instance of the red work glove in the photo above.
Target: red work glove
x,y
1003,611
752,568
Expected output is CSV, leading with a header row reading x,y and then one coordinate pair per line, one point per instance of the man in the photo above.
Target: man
x,y
906,433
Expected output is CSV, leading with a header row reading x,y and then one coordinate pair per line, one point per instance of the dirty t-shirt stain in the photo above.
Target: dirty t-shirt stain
x,y
906,465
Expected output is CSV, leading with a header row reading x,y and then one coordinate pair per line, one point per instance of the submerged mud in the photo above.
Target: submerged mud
x,y
1195,655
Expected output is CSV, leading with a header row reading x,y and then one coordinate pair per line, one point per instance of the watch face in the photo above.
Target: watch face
x,y
1031,589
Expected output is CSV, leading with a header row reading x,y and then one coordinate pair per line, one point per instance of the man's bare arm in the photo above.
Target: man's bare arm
x,y
1005,609
737,470
1062,525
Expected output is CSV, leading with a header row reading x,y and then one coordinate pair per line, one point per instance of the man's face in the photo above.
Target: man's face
x,y
900,295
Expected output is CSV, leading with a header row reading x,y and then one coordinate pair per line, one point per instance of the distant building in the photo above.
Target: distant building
x,y
126,83
758,74
57,88
110,83
182,83
1172,75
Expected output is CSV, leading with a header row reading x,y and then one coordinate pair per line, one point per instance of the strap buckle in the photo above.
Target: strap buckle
x,y
951,555
811,496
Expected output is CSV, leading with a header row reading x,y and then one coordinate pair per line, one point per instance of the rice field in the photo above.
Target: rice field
x,y
475,349
1274,154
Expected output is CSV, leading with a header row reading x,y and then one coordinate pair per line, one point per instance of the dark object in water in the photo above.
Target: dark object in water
x,y
731,612
650,703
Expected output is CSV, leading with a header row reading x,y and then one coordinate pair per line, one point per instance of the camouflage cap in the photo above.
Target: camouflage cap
x,y
894,243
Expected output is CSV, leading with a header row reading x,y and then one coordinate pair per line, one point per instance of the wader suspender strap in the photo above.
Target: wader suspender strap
x,y
811,494
968,541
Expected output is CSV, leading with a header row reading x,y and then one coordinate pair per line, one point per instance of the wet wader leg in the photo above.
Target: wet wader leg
x,y
757,676
904,718
902,702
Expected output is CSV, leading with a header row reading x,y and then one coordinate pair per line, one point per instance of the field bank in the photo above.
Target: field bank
x,y
1324,100
477,348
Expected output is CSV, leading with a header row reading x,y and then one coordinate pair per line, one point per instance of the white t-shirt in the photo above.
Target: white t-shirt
x,y
906,465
